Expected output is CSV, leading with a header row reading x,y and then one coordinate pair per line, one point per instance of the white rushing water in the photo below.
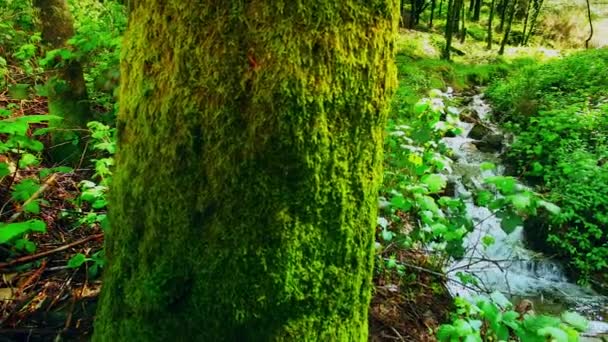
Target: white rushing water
x,y
507,265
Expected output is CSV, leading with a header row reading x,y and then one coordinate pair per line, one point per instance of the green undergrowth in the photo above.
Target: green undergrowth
x,y
420,69
558,111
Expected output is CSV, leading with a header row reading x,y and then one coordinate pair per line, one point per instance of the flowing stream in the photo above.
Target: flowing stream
x,y
508,265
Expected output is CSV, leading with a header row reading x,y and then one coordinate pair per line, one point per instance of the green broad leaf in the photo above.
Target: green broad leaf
x,y
420,107
483,198
439,229
487,240
387,235
435,182
475,324
506,185
9,231
510,221
18,91
391,263
521,201
552,208
399,202
33,207
557,334
77,260
534,323
500,300
25,245
25,189
502,332
510,316
4,170
485,166
445,332
99,204
579,322
472,338
427,203
28,159
463,328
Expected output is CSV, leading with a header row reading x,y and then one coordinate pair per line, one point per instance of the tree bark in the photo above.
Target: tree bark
x,y
490,28
526,17
504,4
249,158
433,4
449,30
477,10
67,92
590,25
537,4
505,38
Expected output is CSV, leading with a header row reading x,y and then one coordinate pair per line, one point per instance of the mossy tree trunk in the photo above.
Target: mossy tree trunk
x,y
250,151
67,92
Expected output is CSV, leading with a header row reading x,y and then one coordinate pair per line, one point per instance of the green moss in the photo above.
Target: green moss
x,y
250,148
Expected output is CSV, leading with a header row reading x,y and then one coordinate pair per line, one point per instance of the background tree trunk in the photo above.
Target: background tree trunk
x,y
449,30
590,25
477,10
250,153
433,4
509,24
490,28
526,17
67,92
504,4
537,5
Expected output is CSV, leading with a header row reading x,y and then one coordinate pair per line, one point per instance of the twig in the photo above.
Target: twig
x,y
398,334
33,257
32,198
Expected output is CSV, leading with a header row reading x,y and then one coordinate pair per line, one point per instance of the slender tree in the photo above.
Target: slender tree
x,y
504,4
449,30
526,19
505,38
477,10
590,25
433,4
537,5
463,29
67,92
490,28
249,158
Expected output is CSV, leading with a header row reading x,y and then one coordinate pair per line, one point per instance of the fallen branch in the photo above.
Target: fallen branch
x,y
37,256
35,196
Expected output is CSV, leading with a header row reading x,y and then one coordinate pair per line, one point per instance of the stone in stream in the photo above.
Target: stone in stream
x,y
469,115
490,143
479,131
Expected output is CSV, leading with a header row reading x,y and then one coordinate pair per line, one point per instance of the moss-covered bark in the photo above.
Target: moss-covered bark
x,y
250,151
67,92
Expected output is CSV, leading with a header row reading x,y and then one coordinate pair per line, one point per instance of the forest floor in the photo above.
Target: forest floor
x,y
41,297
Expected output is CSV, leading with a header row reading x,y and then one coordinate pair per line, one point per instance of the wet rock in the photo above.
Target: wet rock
x,y
469,115
449,134
450,189
490,143
479,131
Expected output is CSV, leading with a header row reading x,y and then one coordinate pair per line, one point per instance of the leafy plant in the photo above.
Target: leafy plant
x,y
493,318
